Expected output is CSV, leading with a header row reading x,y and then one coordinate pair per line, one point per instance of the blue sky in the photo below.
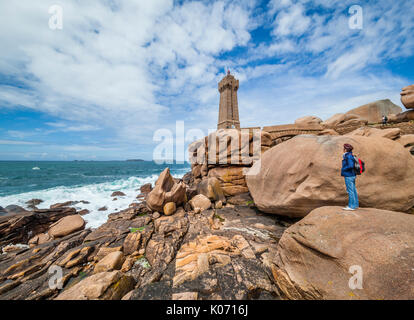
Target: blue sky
x,y
119,70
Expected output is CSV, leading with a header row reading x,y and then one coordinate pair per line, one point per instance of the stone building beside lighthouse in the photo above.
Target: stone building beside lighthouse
x,y
229,108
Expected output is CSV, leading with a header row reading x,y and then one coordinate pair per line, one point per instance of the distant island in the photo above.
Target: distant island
x,y
135,160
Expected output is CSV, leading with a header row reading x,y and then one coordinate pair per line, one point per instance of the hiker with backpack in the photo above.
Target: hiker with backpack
x,y
349,171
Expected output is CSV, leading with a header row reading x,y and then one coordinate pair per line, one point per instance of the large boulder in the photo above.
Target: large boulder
x,y
343,120
112,261
407,97
391,133
14,209
19,228
333,254
402,117
406,141
66,225
200,202
308,121
101,286
374,111
304,173
232,179
211,188
166,190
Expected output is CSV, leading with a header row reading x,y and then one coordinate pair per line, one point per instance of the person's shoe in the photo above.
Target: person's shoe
x,y
348,209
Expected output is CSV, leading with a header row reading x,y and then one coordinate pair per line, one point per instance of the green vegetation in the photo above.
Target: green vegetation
x,y
216,216
134,230
248,203
143,262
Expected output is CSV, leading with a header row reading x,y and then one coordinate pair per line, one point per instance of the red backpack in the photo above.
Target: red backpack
x,y
359,166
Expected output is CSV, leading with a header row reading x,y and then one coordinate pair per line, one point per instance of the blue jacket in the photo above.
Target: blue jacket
x,y
348,165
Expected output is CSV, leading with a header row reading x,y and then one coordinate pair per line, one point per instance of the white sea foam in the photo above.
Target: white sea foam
x,y
99,195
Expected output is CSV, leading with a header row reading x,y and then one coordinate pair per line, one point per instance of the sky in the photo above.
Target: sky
x,y
117,72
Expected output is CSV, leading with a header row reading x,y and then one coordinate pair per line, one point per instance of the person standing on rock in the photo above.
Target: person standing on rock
x,y
348,171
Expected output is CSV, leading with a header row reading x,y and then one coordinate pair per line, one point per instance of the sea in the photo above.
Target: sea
x,y
91,181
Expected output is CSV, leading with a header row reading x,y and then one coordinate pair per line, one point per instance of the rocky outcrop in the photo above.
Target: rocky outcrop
x,y
212,189
166,190
66,225
224,155
232,179
223,255
31,204
146,188
340,121
102,286
407,97
20,228
333,254
169,208
304,173
13,210
406,141
200,203
402,117
308,121
392,133
118,194
112,261
374,111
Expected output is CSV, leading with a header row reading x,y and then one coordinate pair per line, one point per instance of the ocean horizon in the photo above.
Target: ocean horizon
x,y
88,181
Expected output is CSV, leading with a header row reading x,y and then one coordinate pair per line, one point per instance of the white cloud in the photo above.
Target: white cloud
x,y
127,68
292,21
17,143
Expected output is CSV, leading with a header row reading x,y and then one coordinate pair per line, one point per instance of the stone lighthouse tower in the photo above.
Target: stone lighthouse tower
x,y
229,109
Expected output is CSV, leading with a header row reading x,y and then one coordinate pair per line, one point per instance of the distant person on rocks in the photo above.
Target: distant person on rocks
x,y
384,120
348,171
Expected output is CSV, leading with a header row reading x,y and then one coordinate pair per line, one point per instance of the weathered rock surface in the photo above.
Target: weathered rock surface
x,y
402,117
102,286
373,112
407,141
13,209
112,261
146,188
200,202
315,255
309,120
33,203
166,190
243,199
20,228
232,179
66,226
118,194
407,97
211,188
392,133
343,120
63,205
169,208
303,173
223,255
